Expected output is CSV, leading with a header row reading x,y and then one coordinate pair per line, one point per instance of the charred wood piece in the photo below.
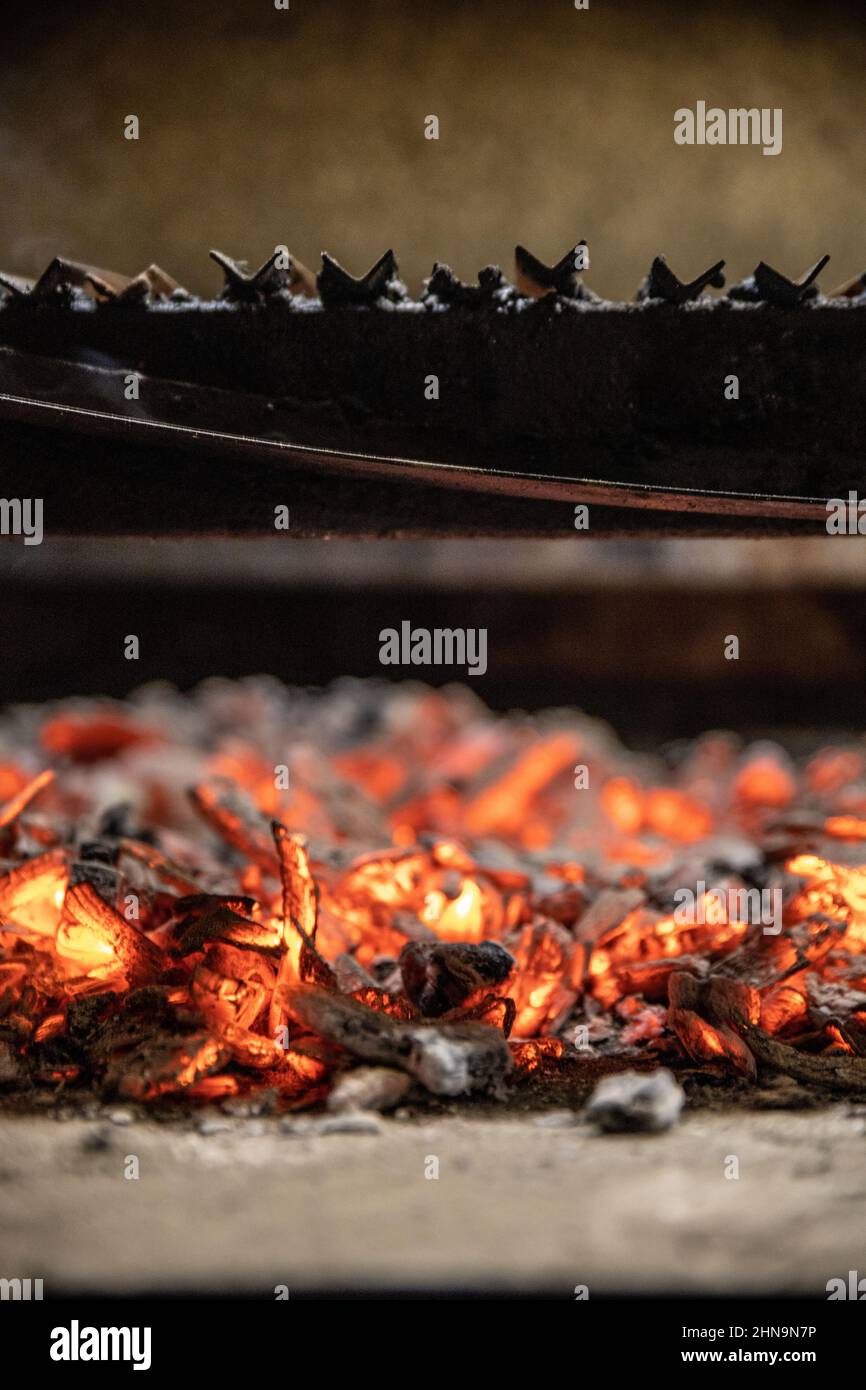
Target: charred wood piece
x,y
449,1059
443,975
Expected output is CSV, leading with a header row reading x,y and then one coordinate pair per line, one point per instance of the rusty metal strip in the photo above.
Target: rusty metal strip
x,y
80,381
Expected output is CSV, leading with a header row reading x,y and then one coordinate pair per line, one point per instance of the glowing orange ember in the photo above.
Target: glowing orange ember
x,y
430,866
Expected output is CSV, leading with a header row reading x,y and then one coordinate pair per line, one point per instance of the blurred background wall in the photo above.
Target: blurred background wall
x,y
631,631
262,126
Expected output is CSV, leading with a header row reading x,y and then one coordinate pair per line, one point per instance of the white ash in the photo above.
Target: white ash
x,y
368,1088
449,1064
213,1124
351,1122
635,1102
441,1064
556,1119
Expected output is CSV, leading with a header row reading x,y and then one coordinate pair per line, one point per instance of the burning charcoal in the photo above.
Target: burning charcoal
x,y
548,977
500,799
94,868
352,977
251,1049
193,906
368,1088
651,978
22,799
532,1056
58,1059
300,903
282,959
496,1009
770,287
565,904
118,823
143,1012
97,851
93,920
608,911
833,1072
635,1102
222,923
661,283
535,279
300,899
442,976
339,289
231,815
708,1016
35,886
832,1000
353,814
450,1059
231,986
84,1016
91,736
165,1064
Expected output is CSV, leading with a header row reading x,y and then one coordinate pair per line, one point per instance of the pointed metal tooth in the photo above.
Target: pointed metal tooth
x,y
60,277
534,279
661,283
242,286
101,288
811,275
151,283
713,277
160,283
17,285
234,271
774,288
338,287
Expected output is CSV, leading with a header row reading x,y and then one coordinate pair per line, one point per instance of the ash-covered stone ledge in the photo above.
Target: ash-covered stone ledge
x,y
520,1205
